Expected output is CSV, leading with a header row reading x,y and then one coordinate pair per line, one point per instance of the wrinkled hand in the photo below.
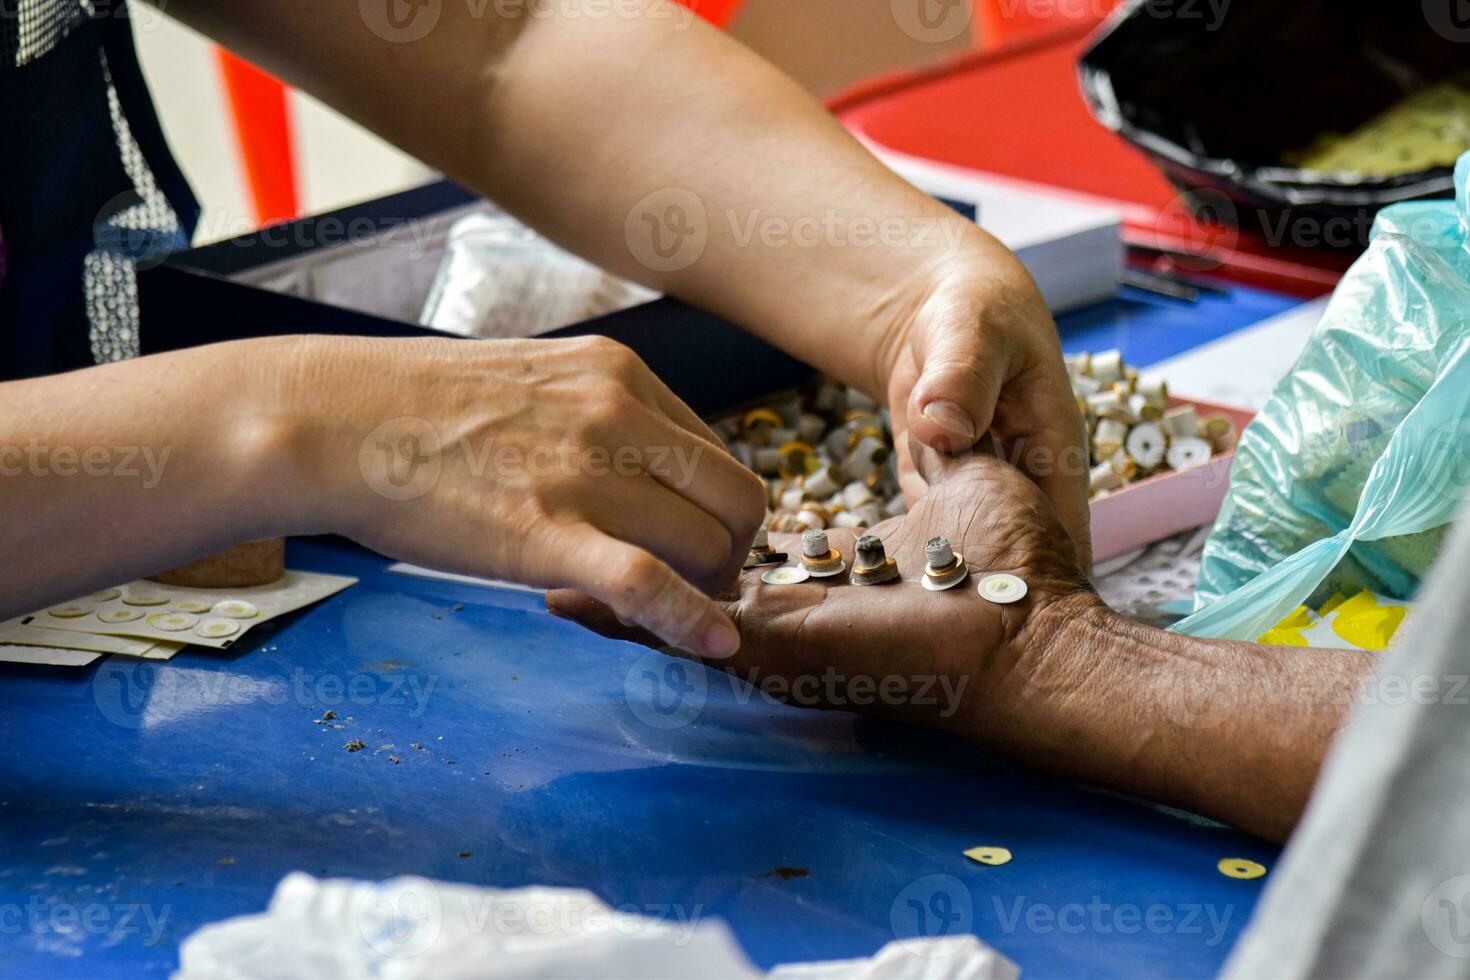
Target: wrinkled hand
x,y
993,515
982,356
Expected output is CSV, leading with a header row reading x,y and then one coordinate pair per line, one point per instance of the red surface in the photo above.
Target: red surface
x,y
1019,112
1000,23
717,12
263,128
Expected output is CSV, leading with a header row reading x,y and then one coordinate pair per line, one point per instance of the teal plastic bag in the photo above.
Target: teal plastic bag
x,y
1350,474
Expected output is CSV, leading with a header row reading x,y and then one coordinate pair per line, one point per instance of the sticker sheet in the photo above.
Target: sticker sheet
x,y
16,632
174,615
11,653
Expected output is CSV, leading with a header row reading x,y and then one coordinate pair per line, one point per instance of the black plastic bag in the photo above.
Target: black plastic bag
x,y
1220,94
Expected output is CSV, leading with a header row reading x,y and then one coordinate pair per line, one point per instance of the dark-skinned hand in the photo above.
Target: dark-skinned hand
x,y
993,515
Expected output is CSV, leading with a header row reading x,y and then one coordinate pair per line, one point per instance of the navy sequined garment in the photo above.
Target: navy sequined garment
x,y
88,188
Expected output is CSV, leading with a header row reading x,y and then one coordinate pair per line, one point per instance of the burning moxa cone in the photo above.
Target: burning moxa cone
x,y
945,567
872,566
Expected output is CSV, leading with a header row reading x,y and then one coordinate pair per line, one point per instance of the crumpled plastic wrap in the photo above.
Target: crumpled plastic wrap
x,y
499,278
417,929
1348,476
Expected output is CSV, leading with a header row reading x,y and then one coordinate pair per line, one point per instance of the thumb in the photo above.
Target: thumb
x,y
960,380
935,467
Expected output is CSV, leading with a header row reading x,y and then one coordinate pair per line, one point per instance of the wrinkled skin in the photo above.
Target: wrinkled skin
x,y
995,359
1056,681
992,514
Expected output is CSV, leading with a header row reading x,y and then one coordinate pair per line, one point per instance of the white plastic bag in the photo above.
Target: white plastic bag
x,y
499,278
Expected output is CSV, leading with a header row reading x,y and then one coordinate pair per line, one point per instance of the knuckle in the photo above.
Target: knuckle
x,y
971,369
619,358
638,579
750,501
594,343
713,558
612,405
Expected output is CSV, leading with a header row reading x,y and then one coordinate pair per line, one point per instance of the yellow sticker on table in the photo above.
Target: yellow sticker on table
x,y
1241,868
1366,622
989,855
1288,632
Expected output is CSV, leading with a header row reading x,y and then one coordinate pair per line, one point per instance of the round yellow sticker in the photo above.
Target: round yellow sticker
x,y
989,855
1241,868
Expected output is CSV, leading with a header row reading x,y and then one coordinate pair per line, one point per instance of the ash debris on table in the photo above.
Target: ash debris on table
x,y
439,614
425,750
785,873
356,745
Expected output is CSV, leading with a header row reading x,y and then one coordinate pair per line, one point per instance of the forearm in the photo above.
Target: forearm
x,y
573,116
810,242
1235,731
129,469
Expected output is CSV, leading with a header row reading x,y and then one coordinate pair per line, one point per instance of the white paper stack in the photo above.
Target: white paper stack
x,y
1072,246
1243,368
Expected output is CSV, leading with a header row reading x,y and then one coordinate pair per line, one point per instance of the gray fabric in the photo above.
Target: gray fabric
x,y
1376,881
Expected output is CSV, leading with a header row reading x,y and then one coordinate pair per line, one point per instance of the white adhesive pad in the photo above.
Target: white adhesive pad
x,y
785,576
1003,588
231,611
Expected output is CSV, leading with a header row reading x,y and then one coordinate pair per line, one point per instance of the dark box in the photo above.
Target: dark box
x,y
368,269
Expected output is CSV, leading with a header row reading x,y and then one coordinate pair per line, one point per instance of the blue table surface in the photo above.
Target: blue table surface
x,y
139,800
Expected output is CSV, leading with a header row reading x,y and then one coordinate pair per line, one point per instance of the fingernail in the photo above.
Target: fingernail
x,y
721,640
952,419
